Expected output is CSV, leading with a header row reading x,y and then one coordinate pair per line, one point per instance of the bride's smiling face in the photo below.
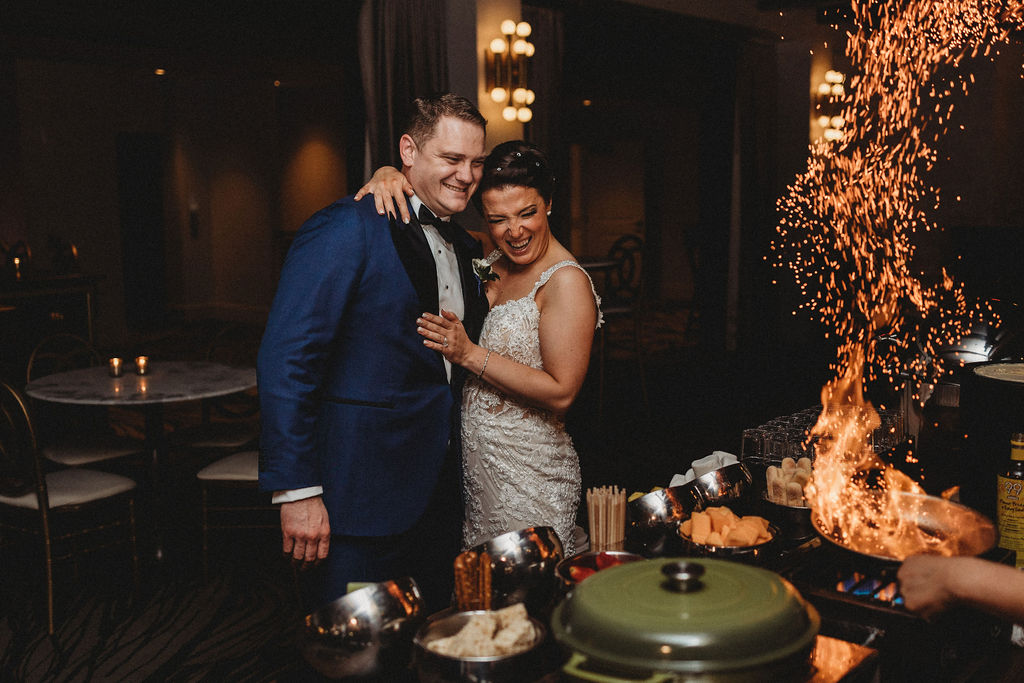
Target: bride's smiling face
x,y
518,222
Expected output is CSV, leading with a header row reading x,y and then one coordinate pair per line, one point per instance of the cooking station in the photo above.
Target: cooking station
x,y
859,602
802,606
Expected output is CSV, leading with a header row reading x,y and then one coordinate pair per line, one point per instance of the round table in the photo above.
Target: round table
x,y
164,382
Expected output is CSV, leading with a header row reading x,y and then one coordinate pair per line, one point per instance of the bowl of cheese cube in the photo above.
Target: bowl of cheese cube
x,y
719,532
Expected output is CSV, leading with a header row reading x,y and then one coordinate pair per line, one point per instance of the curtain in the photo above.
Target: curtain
x,y
402,55
544,130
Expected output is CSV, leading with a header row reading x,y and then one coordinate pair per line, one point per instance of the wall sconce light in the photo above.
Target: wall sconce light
x,y
828,105
508,61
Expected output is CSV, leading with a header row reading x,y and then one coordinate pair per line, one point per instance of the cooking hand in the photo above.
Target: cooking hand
x,y
446,334
306,531
924,584
388,187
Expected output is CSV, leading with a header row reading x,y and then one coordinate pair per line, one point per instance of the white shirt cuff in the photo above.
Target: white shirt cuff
x,y
292,495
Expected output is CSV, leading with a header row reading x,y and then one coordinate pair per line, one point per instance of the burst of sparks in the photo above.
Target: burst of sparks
x,y
847,225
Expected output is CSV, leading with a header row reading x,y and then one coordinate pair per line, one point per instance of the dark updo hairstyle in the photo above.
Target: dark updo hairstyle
x,y
520,164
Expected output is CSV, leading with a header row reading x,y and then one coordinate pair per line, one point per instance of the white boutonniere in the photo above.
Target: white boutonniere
x,y
483,270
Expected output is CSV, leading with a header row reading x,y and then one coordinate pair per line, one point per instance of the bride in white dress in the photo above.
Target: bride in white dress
x,y
519,465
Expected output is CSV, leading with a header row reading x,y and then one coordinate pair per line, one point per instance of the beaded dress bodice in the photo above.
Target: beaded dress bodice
x,y
519,465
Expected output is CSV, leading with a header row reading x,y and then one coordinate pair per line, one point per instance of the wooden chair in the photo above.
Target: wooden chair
x,y
74,435
623,300
227,423
233,474
70,511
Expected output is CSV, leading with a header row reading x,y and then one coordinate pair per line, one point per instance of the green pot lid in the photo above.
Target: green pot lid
x,y
739,616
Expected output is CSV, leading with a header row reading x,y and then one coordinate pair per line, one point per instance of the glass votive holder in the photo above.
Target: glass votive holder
x,y
115,366
141,365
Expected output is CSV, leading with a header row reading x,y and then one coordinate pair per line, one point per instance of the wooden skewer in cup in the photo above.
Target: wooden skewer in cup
x,y
606,513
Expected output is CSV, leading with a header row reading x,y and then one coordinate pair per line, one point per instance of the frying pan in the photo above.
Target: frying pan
x,y
926,524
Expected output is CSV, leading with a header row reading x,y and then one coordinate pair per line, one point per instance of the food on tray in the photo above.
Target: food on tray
x,y
639,494
504,632
786,483
602,560
472,581
721,526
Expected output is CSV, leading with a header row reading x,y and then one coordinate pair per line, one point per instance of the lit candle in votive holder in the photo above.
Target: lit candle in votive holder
x,y
141,365
115,367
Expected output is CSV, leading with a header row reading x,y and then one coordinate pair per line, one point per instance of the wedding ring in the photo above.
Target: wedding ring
x,y
444,342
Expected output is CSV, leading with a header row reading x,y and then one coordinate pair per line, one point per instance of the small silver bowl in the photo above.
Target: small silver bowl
x,y
652,520
724,486
523,567
793,521
594,561
367,632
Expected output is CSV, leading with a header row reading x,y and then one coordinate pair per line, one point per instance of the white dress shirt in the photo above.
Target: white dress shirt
x,y
449,298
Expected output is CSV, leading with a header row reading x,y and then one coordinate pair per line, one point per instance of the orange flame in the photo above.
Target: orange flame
x,y
846,231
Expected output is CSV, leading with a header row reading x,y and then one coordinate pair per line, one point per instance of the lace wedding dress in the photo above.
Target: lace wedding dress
x,y
519,465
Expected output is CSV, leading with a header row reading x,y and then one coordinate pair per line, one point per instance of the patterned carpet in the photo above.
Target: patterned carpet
x,y
239,626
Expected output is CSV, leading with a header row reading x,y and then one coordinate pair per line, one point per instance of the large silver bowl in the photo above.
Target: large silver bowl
x,y
433,667
523,567
367,632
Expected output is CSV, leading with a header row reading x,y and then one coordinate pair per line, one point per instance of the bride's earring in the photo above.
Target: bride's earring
x,y
549,212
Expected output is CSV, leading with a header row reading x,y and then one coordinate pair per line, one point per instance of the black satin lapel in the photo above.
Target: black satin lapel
x,y
414,252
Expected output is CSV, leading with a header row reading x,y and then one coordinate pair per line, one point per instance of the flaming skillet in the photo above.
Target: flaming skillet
x,y
931,525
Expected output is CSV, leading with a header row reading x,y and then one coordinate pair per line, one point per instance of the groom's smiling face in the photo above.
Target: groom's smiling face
x,y
445,169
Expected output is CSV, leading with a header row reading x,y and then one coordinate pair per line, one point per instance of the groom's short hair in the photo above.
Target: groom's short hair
x,y
427,111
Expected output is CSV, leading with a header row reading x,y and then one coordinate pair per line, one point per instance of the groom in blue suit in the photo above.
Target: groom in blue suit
x,y
360,421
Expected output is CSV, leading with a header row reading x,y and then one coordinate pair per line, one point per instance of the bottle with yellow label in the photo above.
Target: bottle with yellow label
x,y
1010,501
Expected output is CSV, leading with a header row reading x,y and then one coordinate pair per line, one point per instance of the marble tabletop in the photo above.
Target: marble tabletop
x,y
165,382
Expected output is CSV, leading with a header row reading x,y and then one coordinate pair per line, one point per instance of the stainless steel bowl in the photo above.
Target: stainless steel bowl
x,y
593,560
652,520
793,521
749,554
367,632
523,567
434,667
725,486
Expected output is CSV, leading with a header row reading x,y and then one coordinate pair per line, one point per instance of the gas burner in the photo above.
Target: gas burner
x,y
859,602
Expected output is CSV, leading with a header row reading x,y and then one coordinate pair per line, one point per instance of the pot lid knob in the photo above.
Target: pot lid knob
x,y
683,576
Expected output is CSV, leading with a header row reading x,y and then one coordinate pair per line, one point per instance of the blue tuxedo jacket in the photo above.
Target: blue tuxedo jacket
x,y
350,398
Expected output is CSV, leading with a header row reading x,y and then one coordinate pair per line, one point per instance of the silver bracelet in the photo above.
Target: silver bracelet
x,y
486,358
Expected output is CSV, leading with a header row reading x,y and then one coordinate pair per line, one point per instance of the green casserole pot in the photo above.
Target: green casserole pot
x,y
665,619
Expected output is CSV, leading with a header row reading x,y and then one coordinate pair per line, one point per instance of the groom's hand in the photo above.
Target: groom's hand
x,y
306,531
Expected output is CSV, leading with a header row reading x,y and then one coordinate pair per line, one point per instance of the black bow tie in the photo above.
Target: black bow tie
x,y
445,228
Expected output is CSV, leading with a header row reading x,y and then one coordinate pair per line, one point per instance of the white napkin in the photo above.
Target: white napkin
x,y
702,466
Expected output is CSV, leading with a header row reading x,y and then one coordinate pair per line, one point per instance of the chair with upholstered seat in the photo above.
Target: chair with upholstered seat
x,y
235,477
623,300
74,435
70,511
